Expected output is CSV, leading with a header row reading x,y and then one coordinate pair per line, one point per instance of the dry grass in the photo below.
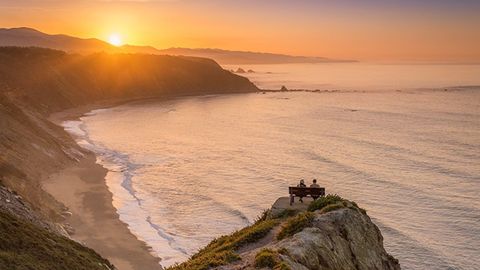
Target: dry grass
x,y
26,246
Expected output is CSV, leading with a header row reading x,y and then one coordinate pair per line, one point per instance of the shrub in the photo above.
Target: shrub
x,y
263,216
295,224
266,258
271,259
333,202
321,202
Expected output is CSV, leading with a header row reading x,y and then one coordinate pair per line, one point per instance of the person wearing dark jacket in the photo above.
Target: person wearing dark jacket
x,y
301,184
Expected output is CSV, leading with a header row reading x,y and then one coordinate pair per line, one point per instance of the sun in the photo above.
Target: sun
x,y
115,40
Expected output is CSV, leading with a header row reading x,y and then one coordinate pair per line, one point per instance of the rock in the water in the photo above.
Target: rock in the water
x,y
240,70
284,88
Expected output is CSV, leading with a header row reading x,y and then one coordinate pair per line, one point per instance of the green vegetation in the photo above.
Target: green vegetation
x,y
286,213
263,216
26,246
355,206
221,251
270,259
266,258
295,224
333,202
321,202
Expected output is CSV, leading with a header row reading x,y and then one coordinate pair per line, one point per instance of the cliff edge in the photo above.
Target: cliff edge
x,y
330,233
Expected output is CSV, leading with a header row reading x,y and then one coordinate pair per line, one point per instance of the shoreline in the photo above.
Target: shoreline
x,y
81,186
86,178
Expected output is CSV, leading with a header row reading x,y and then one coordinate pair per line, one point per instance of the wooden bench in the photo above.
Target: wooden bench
x,y
304,192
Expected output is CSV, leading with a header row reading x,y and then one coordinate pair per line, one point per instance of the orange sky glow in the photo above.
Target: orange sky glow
x,y
434,31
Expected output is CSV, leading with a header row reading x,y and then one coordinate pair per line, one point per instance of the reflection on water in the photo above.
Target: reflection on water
x,y
185,171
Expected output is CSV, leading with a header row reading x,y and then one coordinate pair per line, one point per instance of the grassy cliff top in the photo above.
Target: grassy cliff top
x,y
26,246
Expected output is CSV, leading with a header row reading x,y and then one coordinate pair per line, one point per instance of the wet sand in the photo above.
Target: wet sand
x,y
82,188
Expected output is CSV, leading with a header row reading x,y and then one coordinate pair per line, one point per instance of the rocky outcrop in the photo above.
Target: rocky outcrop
x,y
339,235
342,239
14,204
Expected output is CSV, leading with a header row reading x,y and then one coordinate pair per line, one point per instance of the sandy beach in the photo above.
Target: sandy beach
x,y
81,187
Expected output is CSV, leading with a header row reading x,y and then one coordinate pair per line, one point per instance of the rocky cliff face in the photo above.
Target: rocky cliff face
x,y
342,239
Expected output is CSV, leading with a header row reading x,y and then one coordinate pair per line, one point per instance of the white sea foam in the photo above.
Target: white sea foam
x,y
128,205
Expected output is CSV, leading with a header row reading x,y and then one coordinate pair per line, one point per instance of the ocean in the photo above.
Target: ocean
x,y
403,141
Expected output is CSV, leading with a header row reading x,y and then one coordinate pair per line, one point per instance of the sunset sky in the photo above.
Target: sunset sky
x,y
377,30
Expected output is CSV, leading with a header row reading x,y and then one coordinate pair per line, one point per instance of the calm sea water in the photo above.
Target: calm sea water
x,y
187,170
361,76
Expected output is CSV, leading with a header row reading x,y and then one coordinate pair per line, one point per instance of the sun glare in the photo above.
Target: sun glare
x,y
115,40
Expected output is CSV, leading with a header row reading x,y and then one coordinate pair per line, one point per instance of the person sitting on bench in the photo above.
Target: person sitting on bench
x,y
301,184
301,191
314,185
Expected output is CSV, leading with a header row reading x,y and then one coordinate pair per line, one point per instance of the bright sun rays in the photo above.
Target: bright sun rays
x,y
115,39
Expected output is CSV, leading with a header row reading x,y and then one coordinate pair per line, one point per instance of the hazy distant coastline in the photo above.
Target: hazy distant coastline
x,y
26,37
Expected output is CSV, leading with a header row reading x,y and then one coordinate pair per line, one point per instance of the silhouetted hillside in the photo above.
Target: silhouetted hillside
x,y
27,37
56,80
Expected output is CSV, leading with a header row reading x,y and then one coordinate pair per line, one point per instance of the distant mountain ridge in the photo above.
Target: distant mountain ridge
x,y
247,57
29,37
